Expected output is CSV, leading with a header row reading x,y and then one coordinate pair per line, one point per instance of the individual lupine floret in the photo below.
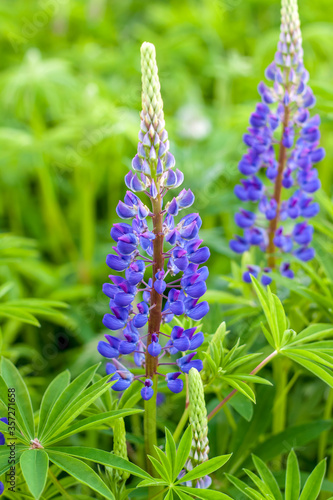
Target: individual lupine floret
x,y
139,247
198,421
283,146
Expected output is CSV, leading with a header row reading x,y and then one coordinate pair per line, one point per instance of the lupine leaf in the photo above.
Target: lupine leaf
x,y
182,495
260,484
4,455
169,495
159,468
313,332
242,387
66,398
170,448
293,479
56,387
205,468
81,472
183,451
93,421
313,484
320,372
204,494
102,457
267,476
165,462
4,428
76,407
250,378
34,465
152,482
13,379
320,358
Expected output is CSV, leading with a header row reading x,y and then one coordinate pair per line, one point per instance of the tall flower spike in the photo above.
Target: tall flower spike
x,y
198,421
282,145
140,247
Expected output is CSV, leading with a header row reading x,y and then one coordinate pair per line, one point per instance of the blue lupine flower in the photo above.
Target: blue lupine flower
x,y
2,440
283,146
139,247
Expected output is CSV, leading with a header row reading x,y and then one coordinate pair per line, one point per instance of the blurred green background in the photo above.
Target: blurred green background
x,y
70,102
69,119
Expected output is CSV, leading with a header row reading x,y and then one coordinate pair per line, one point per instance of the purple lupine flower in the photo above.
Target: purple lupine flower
x,y
2,439
139,246
283,146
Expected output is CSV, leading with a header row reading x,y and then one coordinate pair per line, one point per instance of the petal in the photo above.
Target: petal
x,y
106,350
113,323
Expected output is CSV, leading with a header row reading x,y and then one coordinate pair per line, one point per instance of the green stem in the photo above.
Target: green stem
x,y
280,372
150,428
277,191
58,486
324,435
181,425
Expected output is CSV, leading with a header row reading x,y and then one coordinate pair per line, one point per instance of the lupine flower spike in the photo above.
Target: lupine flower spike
x,y
198,421
140,249
283,147
119,476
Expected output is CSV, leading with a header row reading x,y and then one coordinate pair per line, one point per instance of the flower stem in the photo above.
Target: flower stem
x,y
277,191
234,391
154,326
280,371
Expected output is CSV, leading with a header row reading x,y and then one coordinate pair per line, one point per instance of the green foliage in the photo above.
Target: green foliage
x,y
267,487
170,464
62,404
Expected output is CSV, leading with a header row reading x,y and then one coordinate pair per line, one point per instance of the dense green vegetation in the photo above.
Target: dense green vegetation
x,y
70,100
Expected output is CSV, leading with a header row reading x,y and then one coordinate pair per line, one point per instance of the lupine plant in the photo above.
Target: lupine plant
x,y
283,147
109,432
140,248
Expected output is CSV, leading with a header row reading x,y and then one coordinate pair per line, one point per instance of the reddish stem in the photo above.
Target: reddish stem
x,y
277,191
155,317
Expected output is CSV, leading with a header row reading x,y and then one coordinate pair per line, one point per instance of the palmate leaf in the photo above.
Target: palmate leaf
x,y
204,494
313,484
321,372
267,477
10,432
268,486
242,487
65,399
262,487
79,405
34,465
93,421
24,413
318,331
205,468
81,472
101,457
293,478
274,313
167,466
4,456
170,449
183,451
242,387
52,393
